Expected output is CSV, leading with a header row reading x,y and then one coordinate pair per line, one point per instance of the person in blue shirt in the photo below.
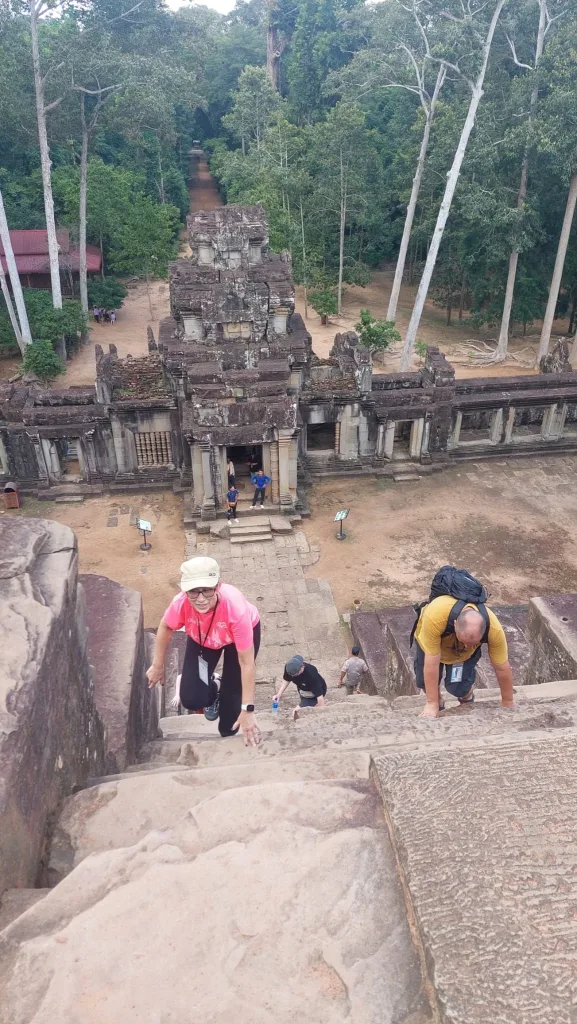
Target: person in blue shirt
x,y
260,482
231,500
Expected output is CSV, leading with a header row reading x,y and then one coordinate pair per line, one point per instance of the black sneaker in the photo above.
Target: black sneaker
x,y
212,712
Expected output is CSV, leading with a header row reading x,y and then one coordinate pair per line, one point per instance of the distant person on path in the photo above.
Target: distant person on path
x,y
352,672
260,482
308,681
219,621
112,317
97,313
454,647
231,500
231,474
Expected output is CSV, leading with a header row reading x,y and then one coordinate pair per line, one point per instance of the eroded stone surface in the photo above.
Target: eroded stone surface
x,y
51,738
488,842
121,812
281,906
116,651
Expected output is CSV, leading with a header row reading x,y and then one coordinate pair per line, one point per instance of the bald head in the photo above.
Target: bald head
x,y
470,626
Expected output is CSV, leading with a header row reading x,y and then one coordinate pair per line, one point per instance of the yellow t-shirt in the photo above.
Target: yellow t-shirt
x,y
432,624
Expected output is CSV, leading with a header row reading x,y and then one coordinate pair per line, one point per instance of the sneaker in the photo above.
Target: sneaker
x,y
211,713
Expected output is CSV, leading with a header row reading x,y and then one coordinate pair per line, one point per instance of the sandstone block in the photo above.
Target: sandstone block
x,y
116,651
51,737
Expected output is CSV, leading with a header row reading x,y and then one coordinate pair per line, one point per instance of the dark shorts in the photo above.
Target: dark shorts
x,y
310,702
459,689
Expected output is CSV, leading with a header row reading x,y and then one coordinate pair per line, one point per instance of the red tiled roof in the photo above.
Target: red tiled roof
x,y
69,260
35,242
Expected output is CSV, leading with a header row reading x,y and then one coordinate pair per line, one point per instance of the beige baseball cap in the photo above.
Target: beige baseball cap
x,y
199,572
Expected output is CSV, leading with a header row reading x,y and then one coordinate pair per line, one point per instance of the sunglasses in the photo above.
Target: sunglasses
x,y
201,592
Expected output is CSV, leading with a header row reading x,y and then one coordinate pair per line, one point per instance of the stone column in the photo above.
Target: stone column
x,y
549,426
208,506
283,470
496,427
118,441
380,440
337,437
197,482
130,456
223,474
293,467
509,426
51,459
40,459
456,431
272,469
389,439
3,458
426,436
82,463
91,462
416,438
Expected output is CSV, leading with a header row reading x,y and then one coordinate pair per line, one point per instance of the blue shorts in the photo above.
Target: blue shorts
x,y
309,702
459,689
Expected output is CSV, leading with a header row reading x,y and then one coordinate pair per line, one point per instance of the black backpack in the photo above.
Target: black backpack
x,y
457,583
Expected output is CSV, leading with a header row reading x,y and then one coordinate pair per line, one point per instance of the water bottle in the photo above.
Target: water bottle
x,y
275,706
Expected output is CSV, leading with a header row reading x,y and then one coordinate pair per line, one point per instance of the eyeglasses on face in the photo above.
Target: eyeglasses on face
x,y
201,592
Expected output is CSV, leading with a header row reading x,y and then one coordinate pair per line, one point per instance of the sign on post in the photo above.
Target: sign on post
x,y
145,527
340,516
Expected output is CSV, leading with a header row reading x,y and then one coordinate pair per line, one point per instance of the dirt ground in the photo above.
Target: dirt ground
x,y
433,330
511,523
108,544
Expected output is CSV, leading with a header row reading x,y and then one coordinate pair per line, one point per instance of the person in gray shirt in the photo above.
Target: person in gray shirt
x,y
352,672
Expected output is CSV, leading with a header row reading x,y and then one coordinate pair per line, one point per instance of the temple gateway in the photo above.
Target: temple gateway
x,y
232,375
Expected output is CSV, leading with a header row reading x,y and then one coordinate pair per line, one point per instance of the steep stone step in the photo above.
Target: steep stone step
x,y
405,474
288,890
484,840
254,539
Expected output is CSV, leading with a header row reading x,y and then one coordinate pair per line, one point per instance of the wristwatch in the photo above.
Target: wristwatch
x,y
247,707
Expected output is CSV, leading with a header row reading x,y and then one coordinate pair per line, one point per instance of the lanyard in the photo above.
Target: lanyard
x,y
200,640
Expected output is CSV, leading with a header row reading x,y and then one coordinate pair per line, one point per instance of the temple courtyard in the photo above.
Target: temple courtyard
x,y
511,522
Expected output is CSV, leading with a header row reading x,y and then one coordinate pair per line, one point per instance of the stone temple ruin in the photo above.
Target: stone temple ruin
x,y
232,374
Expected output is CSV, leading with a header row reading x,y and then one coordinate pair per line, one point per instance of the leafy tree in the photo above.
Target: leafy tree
x,y
107,294
324,302
41,359
145,240
376,335
254,105
52,324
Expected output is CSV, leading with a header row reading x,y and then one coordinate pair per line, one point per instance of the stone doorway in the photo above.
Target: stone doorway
x,y
242,455
69,456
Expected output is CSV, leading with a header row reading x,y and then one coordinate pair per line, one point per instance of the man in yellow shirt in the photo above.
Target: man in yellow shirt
x,y
449,635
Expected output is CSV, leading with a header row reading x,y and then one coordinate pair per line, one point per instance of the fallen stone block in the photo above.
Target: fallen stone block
x,y
279,524
220,528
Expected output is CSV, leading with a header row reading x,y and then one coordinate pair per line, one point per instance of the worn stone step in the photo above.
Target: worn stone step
x,y
253,539
289,887
69,499
484,842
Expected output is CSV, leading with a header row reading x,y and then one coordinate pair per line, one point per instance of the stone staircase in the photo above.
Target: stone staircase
x,y
363,865
249,532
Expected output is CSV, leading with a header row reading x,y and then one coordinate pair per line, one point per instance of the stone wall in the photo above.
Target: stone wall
x,y
116,652
51,737
552,631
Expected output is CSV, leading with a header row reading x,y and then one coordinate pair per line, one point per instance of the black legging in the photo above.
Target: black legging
x,y
194,694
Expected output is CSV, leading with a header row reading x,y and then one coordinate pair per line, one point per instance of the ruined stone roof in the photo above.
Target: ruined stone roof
x,y
138,378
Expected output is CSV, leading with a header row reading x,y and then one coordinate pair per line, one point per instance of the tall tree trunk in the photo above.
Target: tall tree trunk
x,y
558,270
572,314
304,262
452,179
462,297
342,236
82,270
101,256
404,247
45,162
449,307
25,336
272,54
149,296
10,308
503,342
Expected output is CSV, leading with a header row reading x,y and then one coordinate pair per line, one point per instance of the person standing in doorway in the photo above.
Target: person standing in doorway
x,y
308,681
352,672
218,620
260,482
231,473
231,500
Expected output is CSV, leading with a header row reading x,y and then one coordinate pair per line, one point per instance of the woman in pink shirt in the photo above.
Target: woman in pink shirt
x,y
218,620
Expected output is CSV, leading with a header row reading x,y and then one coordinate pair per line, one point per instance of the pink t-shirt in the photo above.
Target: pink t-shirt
x,y
233,620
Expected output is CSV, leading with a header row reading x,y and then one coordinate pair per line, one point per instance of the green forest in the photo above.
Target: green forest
x,y
437,136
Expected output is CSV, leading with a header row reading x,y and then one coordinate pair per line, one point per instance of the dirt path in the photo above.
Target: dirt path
x,y
203,192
